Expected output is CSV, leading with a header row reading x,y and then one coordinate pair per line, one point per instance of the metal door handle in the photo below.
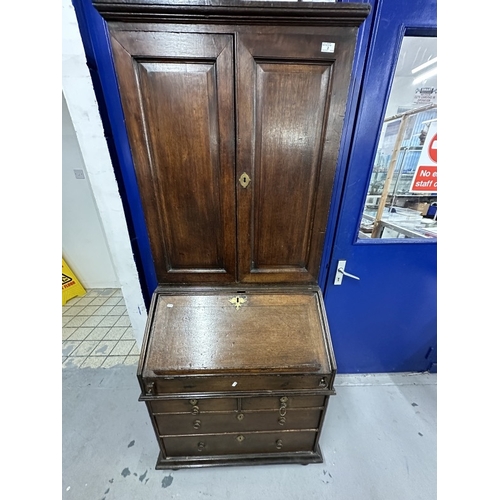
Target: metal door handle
x,y
348,274
339,275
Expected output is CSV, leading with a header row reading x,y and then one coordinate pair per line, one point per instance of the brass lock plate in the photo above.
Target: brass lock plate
x,y
237,301
244,179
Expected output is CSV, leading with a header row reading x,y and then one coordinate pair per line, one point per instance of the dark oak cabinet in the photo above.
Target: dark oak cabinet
x,y
234,112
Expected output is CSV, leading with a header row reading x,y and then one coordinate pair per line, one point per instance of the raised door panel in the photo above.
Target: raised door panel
x,y
291,94
177,95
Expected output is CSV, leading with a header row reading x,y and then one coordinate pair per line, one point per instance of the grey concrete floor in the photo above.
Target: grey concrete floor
x,y
378,442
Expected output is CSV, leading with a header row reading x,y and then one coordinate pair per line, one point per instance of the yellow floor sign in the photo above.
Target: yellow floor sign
x,y
71,287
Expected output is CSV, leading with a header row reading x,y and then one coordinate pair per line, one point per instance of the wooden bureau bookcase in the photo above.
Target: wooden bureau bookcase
x,y
234,113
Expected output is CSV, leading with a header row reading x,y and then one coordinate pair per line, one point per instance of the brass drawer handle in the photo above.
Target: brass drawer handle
x,y
201,446
197,424
322,382
240,416
240,438
195,410
282,410
279,444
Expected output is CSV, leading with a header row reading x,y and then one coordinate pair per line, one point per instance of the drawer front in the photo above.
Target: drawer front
x,y
275,402
234,444
169,424
237,383
193,406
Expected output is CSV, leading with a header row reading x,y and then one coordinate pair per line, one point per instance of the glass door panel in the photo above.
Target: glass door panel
x,y
401,201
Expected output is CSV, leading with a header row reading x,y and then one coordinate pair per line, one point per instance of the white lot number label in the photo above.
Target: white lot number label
x,y
328,47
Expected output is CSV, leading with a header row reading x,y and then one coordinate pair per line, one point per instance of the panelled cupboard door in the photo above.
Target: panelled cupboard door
x,y
188,99
291,92
177,93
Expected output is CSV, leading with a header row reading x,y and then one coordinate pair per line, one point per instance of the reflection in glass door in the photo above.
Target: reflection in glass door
x,y
401,201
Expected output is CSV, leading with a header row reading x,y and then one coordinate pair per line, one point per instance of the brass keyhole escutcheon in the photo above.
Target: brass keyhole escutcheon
x,y
240,438
240,416
244,179
193,401
284,399
238,301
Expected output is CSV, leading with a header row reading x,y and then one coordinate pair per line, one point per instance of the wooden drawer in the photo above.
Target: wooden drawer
x,y
274,402
193,406
183,423
272,382
235,444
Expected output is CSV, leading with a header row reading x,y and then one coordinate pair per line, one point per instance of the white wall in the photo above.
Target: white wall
x,y
84,245
80,98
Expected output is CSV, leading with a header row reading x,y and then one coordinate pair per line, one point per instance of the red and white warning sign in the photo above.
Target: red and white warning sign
x,y
425,178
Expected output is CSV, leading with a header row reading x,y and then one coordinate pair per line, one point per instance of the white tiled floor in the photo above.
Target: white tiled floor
x,y
96,331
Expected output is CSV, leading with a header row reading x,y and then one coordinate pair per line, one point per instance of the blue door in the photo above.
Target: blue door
x,y
384,231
